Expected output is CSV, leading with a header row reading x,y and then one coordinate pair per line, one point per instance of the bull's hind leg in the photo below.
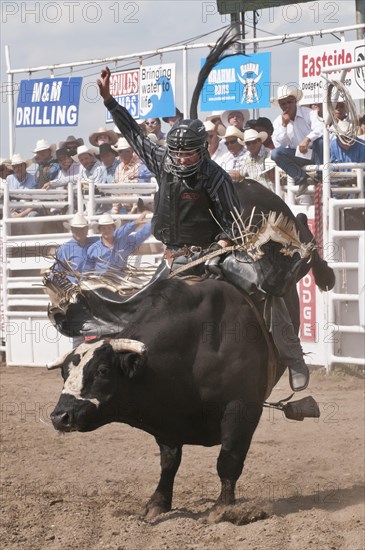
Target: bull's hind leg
x,y
161,500
237,428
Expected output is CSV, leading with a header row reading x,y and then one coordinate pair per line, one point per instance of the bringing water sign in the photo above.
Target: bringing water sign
x,y
312,60
157,90
48,102
124,87
237,82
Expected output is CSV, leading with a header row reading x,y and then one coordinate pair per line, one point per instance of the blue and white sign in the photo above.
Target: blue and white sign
x,y
238,82
48,102
157,91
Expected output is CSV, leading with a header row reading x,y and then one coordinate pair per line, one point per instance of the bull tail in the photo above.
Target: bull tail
x,y
323,274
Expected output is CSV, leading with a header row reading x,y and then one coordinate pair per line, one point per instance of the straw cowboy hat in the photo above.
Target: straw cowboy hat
x,y
225,116
232,131
285,91
43,145
78,221
102,130
106,219
121,145
214,115
251,135
17,159
84,149
209,126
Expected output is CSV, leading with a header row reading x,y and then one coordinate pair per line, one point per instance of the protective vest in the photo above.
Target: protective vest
x,y
182,213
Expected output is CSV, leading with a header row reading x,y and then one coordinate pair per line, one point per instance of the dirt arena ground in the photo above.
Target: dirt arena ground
x,y
302,487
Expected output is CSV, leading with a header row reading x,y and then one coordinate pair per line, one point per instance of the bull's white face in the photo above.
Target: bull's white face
x,y
74,382
94,377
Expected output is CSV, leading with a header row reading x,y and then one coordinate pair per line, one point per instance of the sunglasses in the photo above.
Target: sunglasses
x,y
151,122
231,142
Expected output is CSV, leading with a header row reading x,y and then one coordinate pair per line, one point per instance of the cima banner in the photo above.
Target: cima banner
x,y
48,102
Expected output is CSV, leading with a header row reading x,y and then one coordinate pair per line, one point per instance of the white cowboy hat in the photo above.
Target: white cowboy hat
x,y
232,131
121,145
251,135
213,115
155,139
209,126
43,145
77,221
285,91
106,219
102,130
17,159
5,162
83,149
226,115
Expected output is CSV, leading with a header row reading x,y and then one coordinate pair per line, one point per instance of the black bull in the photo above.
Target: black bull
x,y
189,368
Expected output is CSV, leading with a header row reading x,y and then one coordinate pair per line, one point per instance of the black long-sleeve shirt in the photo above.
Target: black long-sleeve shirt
x,y
216,181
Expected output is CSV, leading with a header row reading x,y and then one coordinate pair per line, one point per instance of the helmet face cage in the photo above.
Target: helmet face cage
x,y
186,137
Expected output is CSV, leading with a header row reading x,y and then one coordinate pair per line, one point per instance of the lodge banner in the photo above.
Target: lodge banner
x,y
48,102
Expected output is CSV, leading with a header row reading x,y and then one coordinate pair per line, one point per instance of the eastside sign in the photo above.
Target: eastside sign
x,y
48,102
124,87
312,60
237,82
157,90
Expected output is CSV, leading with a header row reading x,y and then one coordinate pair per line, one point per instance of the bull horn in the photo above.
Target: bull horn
x,y
125,344
57,364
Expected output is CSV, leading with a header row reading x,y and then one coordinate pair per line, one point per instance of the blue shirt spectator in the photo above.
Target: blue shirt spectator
x,y
111,251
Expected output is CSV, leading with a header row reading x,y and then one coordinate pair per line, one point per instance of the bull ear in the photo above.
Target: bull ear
x,y
132,364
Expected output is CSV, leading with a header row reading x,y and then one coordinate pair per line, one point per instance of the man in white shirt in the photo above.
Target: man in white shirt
x,y
297,131
232,160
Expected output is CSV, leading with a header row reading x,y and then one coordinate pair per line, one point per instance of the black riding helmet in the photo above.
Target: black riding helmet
x,y
186,136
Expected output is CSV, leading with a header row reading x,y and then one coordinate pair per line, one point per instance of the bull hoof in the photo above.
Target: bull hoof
x,y
155,506
227,496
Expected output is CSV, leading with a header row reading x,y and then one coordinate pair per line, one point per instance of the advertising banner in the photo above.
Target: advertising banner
x,y
157,91
124,87
237,82
307,300
48,102
313,60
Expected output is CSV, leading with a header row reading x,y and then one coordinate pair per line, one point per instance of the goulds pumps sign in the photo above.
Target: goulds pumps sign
x,y
313,60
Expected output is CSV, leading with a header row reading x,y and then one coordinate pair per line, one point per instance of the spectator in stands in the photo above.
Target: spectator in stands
x,y
172,119
111,251
257,163
263,124
110,160
361,126
235,117
21,179
232,160
71,144
48,166
69,169
216,146
103,135
340,111
127,171
153,126
296,131
345,149
92,170
5,171
73,253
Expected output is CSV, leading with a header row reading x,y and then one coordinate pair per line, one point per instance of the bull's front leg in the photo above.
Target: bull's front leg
x,y
161,500
237,428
